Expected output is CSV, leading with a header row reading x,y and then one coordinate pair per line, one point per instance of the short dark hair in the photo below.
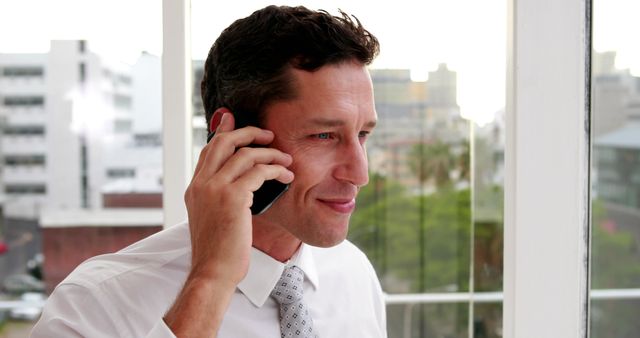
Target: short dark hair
x,y
248,65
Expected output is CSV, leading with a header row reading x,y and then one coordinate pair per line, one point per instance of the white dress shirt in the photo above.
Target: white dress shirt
x,y
126,294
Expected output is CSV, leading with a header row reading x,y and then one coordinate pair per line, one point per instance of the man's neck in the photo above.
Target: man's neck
x,y
275,241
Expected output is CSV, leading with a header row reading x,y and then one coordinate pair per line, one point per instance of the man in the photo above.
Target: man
x,y
287,271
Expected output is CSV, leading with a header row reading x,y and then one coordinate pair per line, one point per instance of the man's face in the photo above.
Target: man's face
x,y
324,130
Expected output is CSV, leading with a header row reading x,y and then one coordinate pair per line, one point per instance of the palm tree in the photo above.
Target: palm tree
x,y
432,161
463,162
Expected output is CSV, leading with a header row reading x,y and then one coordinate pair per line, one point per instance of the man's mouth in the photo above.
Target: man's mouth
x,y
343,206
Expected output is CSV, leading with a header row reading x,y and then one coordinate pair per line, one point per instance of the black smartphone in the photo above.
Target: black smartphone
x,y
270,190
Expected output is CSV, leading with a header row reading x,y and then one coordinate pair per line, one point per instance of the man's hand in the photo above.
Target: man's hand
x,y
218,201
220,194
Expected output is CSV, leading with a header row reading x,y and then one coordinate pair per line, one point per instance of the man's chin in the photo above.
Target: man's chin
x,y
326,239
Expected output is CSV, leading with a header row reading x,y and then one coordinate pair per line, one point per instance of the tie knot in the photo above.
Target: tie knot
x,y
289,287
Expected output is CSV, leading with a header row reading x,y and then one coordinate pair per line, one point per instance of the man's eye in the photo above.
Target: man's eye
x,y
323,136
363,134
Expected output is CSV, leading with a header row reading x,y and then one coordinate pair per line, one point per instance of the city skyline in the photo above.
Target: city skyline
x,y
440,32
134,34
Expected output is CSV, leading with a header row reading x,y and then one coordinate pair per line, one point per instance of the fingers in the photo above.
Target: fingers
x,y
226,124
254,178
228,160
246,158
224,146
225,142
226,134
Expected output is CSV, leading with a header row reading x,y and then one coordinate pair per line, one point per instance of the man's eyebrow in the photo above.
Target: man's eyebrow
x,y
327,122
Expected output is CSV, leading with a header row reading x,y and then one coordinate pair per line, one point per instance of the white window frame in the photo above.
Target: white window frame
x,y
176,107
547,202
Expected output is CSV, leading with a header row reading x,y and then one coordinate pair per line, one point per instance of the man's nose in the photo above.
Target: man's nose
x,y
352,164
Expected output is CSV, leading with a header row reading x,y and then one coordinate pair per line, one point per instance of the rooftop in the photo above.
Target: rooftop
x,y
103,217
625,137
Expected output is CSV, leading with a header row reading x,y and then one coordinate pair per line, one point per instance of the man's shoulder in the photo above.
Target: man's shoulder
x,y
122,294
163,252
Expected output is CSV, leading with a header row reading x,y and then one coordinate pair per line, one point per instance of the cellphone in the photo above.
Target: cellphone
x,y
271,190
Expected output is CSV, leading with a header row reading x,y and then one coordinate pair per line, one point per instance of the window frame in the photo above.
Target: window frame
x,y
547,183
176,98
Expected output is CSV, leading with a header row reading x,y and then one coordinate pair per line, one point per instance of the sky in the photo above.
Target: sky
x,y
468,35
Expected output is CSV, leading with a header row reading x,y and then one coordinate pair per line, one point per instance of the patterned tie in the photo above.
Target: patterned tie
x,y
295,320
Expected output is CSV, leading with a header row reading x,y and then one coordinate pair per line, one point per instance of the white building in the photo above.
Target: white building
x,y
23,138
615,93
66,114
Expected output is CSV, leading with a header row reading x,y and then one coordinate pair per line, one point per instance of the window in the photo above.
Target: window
x,y
82,71
22,71
25,189
544,270
122,126
24,130
546,205
24,101
123,79
122,101
24,160
430,219
615,253
121,172
148,140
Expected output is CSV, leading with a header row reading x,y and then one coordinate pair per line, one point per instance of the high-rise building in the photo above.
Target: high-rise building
x,y
23,138
443,85
616,94
66,112
412,113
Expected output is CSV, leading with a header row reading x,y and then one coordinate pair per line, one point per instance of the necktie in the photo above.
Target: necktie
x,y
295,320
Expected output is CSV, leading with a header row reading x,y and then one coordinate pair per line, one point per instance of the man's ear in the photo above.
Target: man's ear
x,y
216,118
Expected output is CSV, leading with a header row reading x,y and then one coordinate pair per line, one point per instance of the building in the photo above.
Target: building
x,y
616,146
616,94
617,178
70,237
617,159
22,141
412,113
81,151
73,123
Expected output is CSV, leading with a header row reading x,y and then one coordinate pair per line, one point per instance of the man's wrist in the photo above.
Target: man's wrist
x,y
200,306
219,278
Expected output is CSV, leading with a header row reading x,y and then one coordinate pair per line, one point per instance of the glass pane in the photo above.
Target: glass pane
x,y
80,136
428,320
615,318
615,254
488,225
431,214
487,320
488,204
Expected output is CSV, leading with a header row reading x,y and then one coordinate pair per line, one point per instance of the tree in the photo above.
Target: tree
x,y
432,161
615,263
386,228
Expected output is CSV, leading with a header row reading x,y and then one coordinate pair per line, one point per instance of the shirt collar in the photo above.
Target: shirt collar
x,y
303,259
264,272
